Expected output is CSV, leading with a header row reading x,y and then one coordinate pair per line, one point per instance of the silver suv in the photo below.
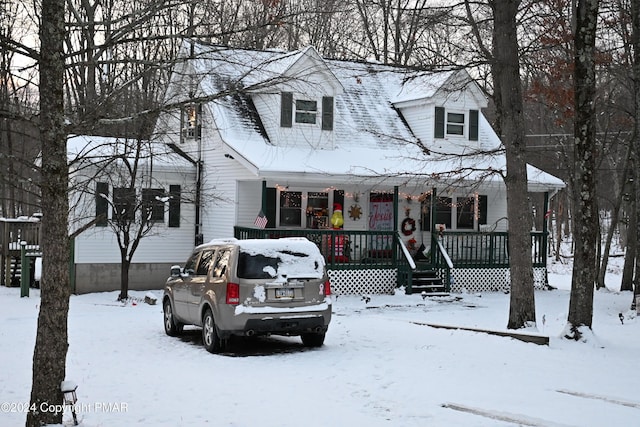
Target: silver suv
x,y
250,287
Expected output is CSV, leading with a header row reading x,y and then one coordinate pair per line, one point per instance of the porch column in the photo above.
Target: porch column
x,y
199,237
395,209
432,227
263,206
394,247
545,227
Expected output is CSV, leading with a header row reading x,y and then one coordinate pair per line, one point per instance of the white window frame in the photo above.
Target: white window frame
x,y
450,124
310,111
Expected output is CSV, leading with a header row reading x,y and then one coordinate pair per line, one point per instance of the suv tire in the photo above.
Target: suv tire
x,y
171,328
210,337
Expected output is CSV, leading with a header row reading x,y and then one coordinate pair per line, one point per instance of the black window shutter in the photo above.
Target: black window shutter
x,y
174,206
327,113
286,110
482,209
102,204
439,123
473,125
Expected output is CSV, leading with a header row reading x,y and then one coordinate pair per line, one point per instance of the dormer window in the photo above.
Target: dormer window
x,y
306,111
455,124
452,123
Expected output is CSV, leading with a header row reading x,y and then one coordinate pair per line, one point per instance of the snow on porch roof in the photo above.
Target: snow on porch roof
x,y
406,165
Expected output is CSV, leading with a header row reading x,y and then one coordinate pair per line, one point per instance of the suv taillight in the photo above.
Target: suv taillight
x,y
233,293
327,288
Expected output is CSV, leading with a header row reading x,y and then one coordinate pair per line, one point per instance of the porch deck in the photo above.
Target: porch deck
x,y
382,259
13,232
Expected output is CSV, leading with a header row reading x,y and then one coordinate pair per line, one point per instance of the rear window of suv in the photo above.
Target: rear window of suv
x,y
257,266
283,258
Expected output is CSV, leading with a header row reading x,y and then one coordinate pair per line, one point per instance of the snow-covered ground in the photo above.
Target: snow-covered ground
x,y
380,366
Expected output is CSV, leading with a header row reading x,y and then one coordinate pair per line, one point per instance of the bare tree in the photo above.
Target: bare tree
x,y
631,244
50,352
118,175
115,85
508,99
19,142
635,17
585,224
396,31
119,56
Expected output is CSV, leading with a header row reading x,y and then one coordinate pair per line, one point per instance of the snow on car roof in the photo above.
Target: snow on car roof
x,y
224,241
299,256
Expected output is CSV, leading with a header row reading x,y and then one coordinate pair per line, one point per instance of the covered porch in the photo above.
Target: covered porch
x,y
454,261
427,244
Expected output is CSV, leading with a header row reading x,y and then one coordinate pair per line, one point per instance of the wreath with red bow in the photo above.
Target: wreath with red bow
x,y
408,226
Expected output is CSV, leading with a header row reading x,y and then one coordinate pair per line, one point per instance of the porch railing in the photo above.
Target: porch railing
x,y
357,250
12,233
488,250
342,249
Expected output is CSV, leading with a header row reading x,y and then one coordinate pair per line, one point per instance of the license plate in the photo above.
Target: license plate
x,y
284,293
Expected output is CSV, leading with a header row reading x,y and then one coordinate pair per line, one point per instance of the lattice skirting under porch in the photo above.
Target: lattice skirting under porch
x,y
377,282
363,282
490,279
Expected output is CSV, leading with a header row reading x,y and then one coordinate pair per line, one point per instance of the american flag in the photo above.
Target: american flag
x,y
261,220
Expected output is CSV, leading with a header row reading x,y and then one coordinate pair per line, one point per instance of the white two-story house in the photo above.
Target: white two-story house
x,y
406,156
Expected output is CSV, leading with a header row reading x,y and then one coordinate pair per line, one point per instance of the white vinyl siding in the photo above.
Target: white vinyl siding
x,y
249,202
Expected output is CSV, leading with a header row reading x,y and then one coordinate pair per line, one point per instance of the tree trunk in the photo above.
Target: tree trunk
x,y
630,250
636,288
635,18
50,353
585,224
613,225
631,242
124,279
560,214
506,74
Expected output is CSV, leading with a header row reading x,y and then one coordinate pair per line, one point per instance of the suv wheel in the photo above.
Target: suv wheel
x,y
210,337
313,339
170,326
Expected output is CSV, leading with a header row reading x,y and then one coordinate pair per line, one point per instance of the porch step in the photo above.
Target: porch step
x,y
427,282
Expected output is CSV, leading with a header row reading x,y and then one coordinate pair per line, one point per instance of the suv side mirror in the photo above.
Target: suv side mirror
x,y
176,270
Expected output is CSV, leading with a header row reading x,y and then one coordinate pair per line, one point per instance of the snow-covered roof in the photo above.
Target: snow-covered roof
x,y
98,149
372,141
250,69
